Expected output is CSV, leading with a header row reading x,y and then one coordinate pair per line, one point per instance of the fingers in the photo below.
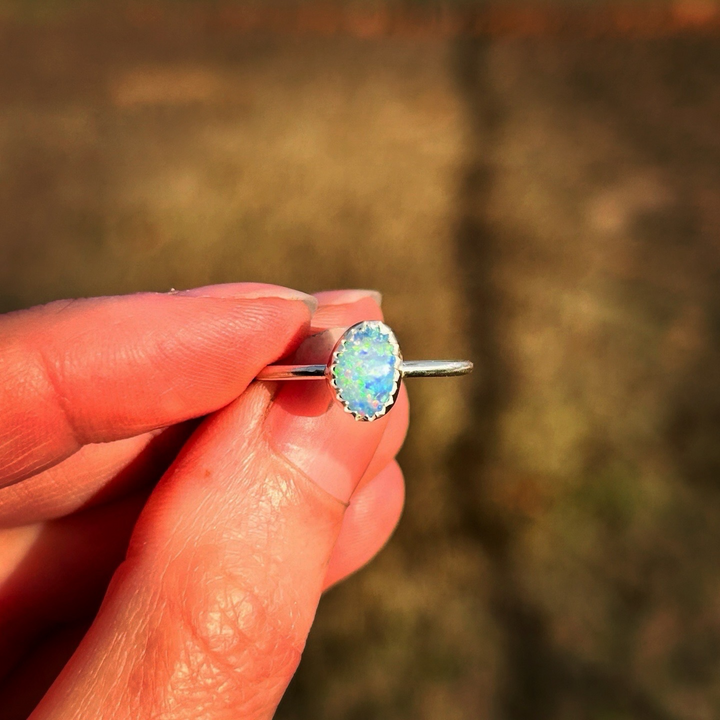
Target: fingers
x,y
212,607
370,519
216,576
89,371
100,472
41,601
342,308
392,439
376,504
217,573
57,572
45,596
248,560
306,406
96,474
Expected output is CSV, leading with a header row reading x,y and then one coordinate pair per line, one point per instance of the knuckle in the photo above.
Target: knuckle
x,y
233,649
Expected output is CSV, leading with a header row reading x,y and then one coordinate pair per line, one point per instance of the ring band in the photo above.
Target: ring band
x,y
365,369
408,368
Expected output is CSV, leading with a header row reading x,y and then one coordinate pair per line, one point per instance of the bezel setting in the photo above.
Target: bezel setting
x,y
337,353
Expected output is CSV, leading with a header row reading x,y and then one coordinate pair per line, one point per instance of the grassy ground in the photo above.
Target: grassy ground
x,y
547,206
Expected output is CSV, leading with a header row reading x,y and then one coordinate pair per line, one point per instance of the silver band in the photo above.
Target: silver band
x,y
408,368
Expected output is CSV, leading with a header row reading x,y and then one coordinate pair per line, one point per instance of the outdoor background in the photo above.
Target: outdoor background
x,y
535,186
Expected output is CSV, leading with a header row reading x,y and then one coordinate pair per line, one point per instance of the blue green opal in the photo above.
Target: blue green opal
x,y
364,369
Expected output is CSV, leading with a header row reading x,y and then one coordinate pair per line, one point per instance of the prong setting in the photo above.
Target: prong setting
x,y
365,370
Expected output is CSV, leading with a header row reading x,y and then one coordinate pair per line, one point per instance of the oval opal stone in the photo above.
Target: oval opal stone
x,y
365,369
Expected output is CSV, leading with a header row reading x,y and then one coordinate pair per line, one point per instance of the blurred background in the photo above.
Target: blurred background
x,y
534,185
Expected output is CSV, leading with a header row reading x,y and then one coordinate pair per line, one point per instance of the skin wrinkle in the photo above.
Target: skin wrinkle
x,y
186,339
245,455
299,473
88,478
61,306
221,643
82,708
229,632
128,703
57,396
18,461
23,379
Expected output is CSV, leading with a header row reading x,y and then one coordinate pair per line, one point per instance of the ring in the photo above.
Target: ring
x,y
365,369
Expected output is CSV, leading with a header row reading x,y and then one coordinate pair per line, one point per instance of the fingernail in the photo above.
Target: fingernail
x,y
314,433
345,297
248,291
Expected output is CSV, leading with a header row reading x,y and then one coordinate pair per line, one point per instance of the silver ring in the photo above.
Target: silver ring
x,y
365,370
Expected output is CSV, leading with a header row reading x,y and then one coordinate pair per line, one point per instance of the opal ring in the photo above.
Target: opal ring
x,y
365,369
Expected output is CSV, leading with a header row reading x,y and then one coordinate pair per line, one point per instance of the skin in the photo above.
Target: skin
x,y
167,525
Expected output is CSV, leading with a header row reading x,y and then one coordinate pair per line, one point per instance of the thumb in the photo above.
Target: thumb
x,y
209,614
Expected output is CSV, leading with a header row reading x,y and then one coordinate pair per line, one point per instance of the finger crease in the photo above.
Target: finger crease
x,y
60,399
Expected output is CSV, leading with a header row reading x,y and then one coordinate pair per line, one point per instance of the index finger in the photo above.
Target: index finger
x,y
102,369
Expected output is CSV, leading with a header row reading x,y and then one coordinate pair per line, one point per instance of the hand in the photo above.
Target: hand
x,y
274,496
